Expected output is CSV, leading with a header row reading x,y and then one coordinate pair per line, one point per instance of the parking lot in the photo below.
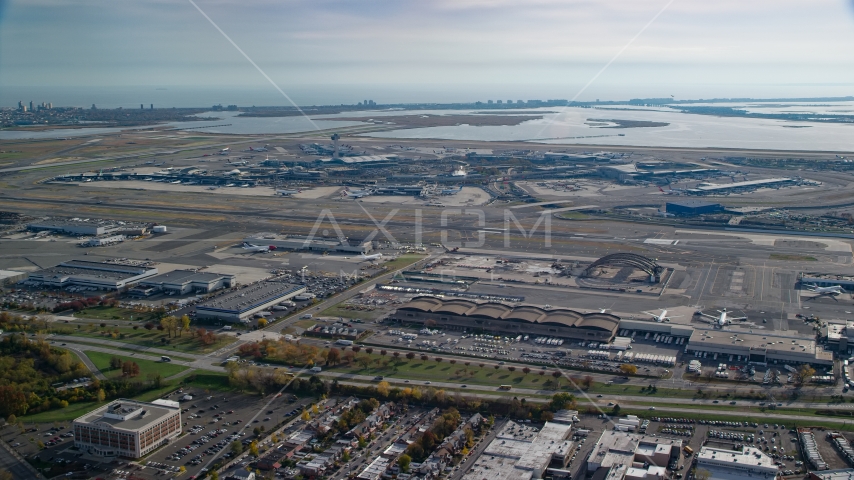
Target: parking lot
x,y
527,349
211,422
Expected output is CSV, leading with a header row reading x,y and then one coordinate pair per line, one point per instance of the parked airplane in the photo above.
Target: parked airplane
x,y
721,319
357,193
661,317
258,248
375,256
451,191
831,292
288,193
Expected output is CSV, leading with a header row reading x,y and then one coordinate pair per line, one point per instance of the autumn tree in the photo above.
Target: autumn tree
x,y
130,369
403,462
383,388
333,357
628,369
587,381
364,361
115,363
410,355
805,373
185,323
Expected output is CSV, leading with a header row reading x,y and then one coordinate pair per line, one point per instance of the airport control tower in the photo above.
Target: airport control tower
x,y
335,138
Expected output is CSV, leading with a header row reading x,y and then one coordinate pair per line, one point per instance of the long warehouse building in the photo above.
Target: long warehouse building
x,y
759,348
102,276
457,314
239,305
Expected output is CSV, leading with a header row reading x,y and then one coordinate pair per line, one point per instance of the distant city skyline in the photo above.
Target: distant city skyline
x,y
453,49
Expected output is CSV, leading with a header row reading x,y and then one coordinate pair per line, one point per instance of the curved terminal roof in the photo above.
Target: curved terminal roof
x,y
525,314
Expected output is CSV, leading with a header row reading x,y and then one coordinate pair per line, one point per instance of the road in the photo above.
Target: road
x,y
203,363
209,363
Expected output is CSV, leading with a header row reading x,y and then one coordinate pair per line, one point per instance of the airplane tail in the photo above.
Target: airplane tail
x,y
660,189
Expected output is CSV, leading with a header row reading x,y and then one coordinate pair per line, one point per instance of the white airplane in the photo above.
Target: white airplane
x,y
661,317
375,256
288,193
832,290
356,193
722,318
258,248
224,150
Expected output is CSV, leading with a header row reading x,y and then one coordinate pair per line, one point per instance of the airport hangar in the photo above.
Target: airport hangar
x,y
239,305
299,242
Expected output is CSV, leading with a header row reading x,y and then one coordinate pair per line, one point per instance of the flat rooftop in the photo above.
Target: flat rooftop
x,y
101,266
519,450
152,414
250,297
61,271
748,457
184,276
747,184
753,341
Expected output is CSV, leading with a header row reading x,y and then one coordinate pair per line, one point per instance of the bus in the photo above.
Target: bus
x,y
505,387
165,359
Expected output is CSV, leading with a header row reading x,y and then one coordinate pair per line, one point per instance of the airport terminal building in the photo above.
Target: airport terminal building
x,y
126,428
497,318
312,244
239,305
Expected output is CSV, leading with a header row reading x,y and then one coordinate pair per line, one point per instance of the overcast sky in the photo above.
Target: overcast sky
x,y
694,46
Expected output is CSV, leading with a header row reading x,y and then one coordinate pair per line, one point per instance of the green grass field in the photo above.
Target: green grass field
x,y
146,338
115,313
85,341
102,361
416,369
402,261
206,381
